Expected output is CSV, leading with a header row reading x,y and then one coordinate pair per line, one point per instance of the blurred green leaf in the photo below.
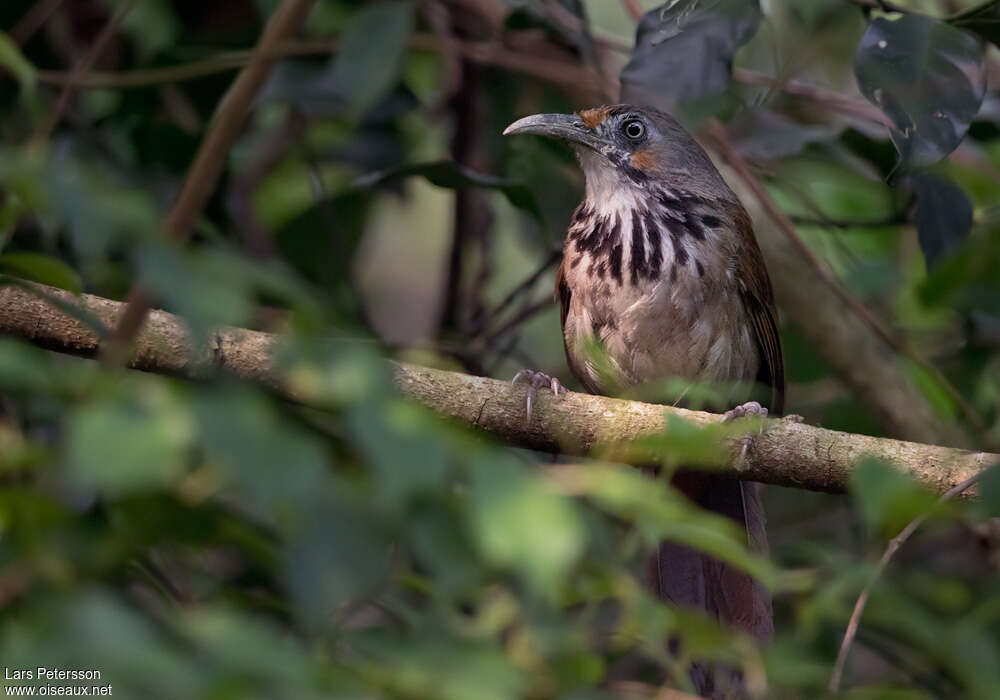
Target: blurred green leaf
x,y
41,268
275,463
131,652
339,557
887,499
14,62
151,24
521,525
123,444
206,290
660,512
371,53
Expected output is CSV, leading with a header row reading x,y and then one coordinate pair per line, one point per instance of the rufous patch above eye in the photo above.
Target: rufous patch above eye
x,y
643,160
593,118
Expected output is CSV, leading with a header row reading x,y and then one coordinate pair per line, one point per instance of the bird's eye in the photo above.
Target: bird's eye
x,y
634,129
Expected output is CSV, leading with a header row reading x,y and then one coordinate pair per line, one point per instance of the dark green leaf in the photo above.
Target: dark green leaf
x,y
888,499
684,50
942,214
320,243
766,135
14,62
279,467
125,444
454,176
520,524
41,268
928,77
371,53
207,290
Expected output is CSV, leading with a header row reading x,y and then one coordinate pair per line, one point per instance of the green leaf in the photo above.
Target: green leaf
x,y
928,77
684,50
269,460
152,25
888,499
14,62
943,214
372,49
661,512
520,524
340,556
206,290
453,176
41,268
130,443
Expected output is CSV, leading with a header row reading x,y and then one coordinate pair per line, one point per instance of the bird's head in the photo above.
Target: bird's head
x,y
625,146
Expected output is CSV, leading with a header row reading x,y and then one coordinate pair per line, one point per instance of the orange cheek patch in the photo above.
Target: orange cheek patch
x,y
643,160
593,118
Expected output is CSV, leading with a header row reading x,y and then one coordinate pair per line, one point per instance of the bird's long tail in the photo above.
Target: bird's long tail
x,y
688,578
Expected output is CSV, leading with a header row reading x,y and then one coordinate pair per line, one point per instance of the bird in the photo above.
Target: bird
x,y
661,270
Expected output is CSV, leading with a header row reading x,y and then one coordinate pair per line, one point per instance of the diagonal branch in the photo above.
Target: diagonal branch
x,y
786,453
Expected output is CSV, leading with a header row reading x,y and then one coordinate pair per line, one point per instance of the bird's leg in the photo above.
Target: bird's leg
x,y
750,408
536,381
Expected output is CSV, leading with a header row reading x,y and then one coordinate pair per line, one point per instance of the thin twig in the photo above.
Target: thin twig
x,y
885,222
554,257
80,70
567,73
210,160
33,20
894,545
845,104
520,317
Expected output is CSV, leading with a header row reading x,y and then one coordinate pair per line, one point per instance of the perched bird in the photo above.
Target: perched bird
x,y
661,270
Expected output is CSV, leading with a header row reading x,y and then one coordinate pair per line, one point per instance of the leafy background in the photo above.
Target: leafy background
x,y
210,540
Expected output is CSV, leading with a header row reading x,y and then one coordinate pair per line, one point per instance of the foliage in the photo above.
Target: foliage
x,y
208,539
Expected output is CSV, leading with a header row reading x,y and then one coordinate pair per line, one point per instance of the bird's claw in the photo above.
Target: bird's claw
x,y
750,408
536,381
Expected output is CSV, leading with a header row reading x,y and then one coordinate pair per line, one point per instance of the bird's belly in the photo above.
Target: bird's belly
x,y
660,331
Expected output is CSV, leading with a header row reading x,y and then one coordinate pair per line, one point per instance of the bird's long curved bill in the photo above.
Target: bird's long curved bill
x,y
568,127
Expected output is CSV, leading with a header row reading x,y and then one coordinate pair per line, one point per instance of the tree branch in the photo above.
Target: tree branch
x,y
786,453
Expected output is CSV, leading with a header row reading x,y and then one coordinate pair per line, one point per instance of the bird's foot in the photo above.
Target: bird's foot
x,y
750,408
536,381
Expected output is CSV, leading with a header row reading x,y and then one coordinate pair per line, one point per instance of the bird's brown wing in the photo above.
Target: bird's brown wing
x,y
758,301
562,293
